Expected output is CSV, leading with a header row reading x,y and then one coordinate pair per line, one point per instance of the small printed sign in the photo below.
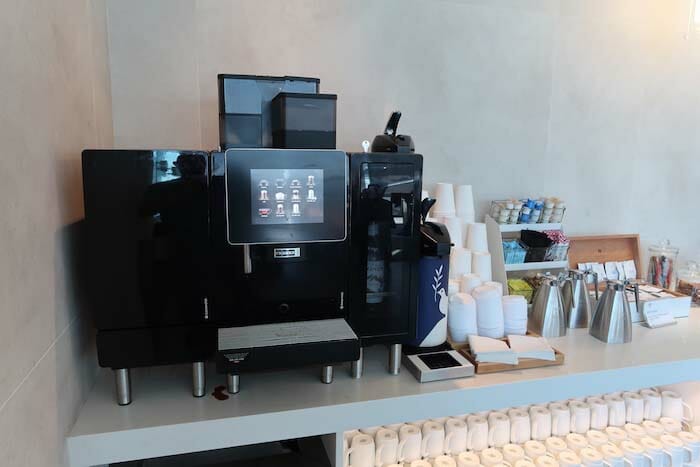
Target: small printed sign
x,y
656,316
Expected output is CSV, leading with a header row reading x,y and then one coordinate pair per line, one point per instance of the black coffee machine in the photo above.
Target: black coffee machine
x,y
255,257
238,256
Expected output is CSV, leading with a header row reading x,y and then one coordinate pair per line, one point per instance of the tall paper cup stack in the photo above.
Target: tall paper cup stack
x,y
469,282
453,286
515,314
481,265
454,227
445,205
460,262
489,311
476,237
461,319
498,285
464,203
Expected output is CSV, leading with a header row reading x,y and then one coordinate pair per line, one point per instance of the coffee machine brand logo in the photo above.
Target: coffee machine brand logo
x,y
287,253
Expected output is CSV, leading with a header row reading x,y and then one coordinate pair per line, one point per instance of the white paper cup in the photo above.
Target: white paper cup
x,y
454,227
489,311
476,237
468,282
461,318
445,200
460,262
464,201
481,265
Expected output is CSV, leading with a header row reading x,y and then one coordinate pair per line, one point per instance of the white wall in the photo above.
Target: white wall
x,y
595,101
54,101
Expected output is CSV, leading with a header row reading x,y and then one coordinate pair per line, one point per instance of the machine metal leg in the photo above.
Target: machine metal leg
x,y
233,383
327,374
199,379
394,359
357,366
123,386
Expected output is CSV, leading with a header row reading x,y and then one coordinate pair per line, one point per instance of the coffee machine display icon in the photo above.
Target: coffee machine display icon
x,y
295,183
263,184
280,210
311,196
279,183
296,210
295,196
279,196
311,181
263,195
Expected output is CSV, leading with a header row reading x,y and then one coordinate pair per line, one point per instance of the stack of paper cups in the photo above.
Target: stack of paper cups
x,y
460,262
445,205
453,286
515,314
461,318
465,231
476,237
489,312
498,285
481,265
464,203
469,282
454,227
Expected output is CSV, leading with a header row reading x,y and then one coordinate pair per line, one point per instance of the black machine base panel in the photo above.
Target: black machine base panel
x,y
284,345
131,348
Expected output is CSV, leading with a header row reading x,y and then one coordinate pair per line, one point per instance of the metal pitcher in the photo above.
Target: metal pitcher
x,y
577,301
612,321
548,316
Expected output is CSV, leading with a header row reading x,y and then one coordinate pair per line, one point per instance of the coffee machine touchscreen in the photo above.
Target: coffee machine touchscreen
x,y
286,196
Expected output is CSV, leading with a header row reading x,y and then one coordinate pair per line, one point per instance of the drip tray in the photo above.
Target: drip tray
x,y
286,345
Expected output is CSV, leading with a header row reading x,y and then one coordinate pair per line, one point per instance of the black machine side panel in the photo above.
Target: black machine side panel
x,y
147,228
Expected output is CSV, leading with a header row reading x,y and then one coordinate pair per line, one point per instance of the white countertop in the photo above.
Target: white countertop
x,y
164,419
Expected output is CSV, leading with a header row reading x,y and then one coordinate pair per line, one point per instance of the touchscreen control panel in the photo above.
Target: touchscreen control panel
x,y
286,196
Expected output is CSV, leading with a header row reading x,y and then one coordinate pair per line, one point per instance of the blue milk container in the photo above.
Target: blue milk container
x,y
433,284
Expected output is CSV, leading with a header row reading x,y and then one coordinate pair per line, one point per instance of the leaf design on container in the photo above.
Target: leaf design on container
x,y
437,279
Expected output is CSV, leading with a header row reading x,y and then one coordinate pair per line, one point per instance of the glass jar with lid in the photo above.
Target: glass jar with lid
x,y
689,280
662,265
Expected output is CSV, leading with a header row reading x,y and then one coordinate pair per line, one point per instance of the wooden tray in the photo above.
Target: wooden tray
x,y
523,363
603,248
